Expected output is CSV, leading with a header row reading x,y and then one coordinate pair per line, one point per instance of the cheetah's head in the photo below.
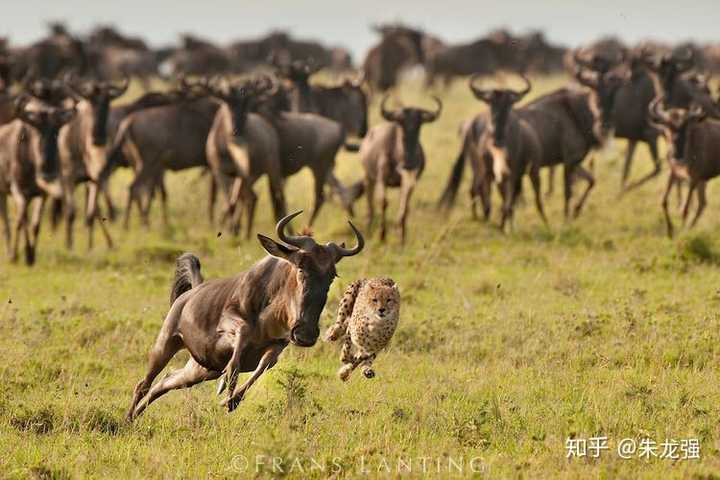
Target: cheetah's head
x,y
383,300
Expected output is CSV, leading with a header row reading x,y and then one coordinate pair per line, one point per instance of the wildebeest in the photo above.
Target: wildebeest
x,y
568,123
29,169
346,103
400,47
694,143
83,145
153,140
242,323
307,140
243,146
392,156
513,144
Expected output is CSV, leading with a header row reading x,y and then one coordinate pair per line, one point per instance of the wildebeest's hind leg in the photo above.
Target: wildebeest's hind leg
x,y
668,221
250,202
370,198
551,181
163,200
191,374
406,190
583,173
320,176
112,211
166,346
267,361
343,192
537,189
702,202
5,222
688,200
632,144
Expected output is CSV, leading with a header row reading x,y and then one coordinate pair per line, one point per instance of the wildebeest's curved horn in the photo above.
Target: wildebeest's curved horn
x,y
657,112
341,251
432,116
522,93
116,91
304,242
388,115
480,94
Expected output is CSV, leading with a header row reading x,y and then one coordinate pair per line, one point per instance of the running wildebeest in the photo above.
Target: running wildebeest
x,y
694,143
84,144
513,144
243,323
392,156
243,146
29,169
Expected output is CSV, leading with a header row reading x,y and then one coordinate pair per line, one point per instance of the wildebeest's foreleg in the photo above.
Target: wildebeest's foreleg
x,y
112,211
20,223
370,198
568,171
232,370
702,202
341,191
668,221
32,241
406,190
551,181
381,197
267,361
249,199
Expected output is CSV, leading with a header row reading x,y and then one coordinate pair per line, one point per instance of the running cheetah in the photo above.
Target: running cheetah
x,y
372,307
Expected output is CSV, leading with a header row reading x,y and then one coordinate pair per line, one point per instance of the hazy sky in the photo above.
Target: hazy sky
x,y
346,22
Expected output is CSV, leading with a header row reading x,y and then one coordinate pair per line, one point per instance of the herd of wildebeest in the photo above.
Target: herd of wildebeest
x,y
253,109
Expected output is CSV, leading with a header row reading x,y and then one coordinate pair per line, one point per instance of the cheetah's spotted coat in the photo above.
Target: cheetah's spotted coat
x,y
367,317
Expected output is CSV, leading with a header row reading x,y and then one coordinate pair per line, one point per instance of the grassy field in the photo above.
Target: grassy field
x,y
507,345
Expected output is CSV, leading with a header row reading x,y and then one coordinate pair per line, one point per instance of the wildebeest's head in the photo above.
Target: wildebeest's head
x,y
674,123
604,80
501,101
241,97
47,121
410,119
314,271
50,91
99,94
357,102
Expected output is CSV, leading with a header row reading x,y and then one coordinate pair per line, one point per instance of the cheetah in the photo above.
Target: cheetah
x,y
367,317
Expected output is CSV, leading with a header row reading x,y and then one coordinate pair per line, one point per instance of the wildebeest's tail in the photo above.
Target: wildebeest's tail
x,y
187,275
450,193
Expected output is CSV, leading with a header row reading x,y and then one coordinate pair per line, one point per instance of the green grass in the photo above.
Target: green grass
x,y
507,344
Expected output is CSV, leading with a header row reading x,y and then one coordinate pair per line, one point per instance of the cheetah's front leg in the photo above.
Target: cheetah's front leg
x,y
347,359
366,364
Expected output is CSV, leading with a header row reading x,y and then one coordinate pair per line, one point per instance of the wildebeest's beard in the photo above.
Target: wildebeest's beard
x,y
679,138
411,144
239,111
306,330
499,117
101,110
49,147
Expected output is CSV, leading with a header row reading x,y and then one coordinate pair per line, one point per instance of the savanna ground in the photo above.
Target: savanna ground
x,y
507,346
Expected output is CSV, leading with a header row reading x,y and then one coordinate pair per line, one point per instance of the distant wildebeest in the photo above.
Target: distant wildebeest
x,y
346,103
29,169
694,143
196,57
243,323
84,144
242,146
400,47
115,55
513,144
568,122
392,157
307,140
153,140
